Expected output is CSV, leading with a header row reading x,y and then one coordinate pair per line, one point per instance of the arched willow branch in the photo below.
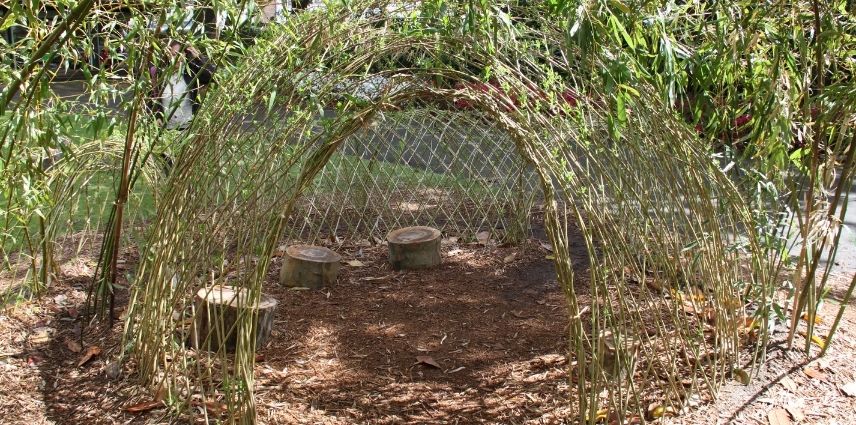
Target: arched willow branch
x,y
317,111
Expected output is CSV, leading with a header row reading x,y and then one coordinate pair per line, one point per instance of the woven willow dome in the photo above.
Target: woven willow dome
x,y
338,124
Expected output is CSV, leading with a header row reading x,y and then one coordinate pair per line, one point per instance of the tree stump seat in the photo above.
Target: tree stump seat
x,y
307,266
413,248
218,309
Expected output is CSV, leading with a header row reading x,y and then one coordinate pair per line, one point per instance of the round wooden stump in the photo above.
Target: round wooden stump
x,y
308,266
414,247
217,310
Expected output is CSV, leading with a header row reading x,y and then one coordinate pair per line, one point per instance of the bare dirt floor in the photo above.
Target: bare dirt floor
x,y
480,339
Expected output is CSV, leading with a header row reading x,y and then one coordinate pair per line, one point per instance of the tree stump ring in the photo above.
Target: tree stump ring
x,y
307,266
413,248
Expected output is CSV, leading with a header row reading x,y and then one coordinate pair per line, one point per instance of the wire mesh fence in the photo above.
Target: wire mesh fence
x,y
445,168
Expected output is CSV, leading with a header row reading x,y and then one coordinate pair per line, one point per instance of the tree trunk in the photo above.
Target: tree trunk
x,y
414,248
216,324
311,267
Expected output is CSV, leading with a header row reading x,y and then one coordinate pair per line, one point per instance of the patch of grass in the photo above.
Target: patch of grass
x,y
391,175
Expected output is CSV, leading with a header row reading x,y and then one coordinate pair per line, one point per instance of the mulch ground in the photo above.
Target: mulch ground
x,y
480,339
794,387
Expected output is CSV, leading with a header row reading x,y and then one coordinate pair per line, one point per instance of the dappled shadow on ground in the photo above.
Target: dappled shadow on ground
x,y
792,383
838,285
489,326
55,368
483,337
492,318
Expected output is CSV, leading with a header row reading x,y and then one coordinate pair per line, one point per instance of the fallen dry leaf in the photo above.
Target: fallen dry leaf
x,y
73,346
789,384
428,360
814,373
547,246
214,408
511,257
656,410
849,389
483,237
779,416
819,341
796,412
144,406
817,319
355,263
91,352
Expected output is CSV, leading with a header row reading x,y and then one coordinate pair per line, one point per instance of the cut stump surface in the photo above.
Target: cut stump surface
x,y
307,266
414,248
218,309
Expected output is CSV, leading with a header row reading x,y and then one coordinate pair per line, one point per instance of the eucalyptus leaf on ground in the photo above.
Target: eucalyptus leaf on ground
x,y
814,373
849,389
90,353
144,406
779,416
795,412
428,360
